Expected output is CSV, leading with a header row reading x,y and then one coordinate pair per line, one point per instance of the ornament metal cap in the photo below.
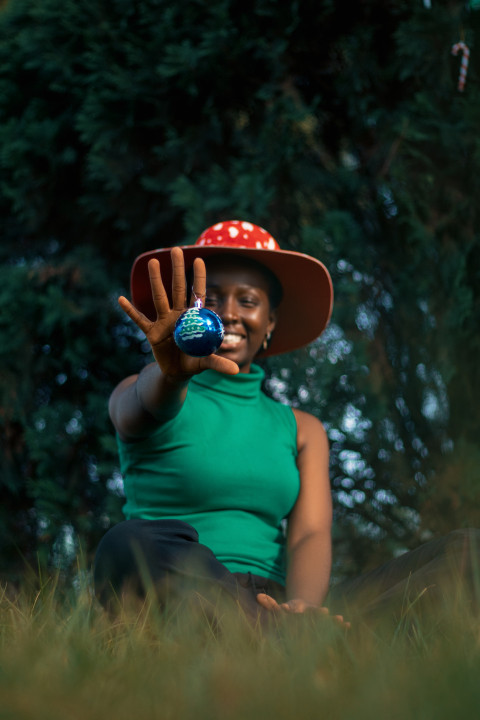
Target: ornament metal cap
x,y
306,305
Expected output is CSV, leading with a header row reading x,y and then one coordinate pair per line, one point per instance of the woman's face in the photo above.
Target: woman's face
x,y
239,294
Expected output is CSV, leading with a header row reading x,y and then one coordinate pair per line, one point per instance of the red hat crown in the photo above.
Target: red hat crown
x,y
235,233
305,308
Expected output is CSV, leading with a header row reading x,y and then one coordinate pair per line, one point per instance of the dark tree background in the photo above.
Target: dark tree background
x,y
339,127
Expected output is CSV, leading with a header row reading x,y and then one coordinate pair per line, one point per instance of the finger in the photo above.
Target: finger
x,y
297,606
220,364
340,621
290,608
199,278
138,318
159,295
267,602
178,279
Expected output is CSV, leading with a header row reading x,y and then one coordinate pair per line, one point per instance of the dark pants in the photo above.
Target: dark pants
x,y
441,570
166,557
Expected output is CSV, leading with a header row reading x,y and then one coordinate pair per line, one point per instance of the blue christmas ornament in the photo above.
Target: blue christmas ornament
x,y
198,331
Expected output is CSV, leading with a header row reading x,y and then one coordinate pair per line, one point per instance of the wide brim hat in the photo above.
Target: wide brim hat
x,y
306,305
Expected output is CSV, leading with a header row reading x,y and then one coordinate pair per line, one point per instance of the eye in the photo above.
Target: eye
x,y
249,301
211,299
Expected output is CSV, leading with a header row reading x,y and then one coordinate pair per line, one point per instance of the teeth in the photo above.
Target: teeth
x,y
231,338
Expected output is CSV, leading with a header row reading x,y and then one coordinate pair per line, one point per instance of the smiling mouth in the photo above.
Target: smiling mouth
x,y
231,340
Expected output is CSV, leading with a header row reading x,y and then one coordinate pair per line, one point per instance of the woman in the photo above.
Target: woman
x,y
211,465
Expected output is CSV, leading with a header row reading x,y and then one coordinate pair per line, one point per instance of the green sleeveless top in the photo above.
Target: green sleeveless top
x,y
226,464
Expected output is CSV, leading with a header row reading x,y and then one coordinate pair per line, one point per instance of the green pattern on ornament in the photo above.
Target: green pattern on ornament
x,y
193,326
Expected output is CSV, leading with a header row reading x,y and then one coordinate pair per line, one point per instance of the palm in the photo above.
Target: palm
x,y
159,332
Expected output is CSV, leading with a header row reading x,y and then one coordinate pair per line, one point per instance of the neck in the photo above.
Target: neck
x,y
245,368
244,385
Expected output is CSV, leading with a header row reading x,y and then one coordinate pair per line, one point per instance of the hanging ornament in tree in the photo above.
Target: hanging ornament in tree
x,y
198,331
462,78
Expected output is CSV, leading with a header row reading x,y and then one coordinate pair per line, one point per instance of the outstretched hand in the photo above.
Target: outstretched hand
x,y
159,332
298,606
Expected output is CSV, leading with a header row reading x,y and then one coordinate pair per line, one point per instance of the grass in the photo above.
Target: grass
x,y
61,657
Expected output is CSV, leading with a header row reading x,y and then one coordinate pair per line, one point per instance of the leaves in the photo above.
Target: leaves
x,y
125,127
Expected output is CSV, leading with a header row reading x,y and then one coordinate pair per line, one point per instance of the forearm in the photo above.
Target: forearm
x,y
309,566
139,406
161,396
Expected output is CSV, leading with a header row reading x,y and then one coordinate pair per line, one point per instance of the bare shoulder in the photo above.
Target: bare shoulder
x,y
122,386
117,394
309,429
124,383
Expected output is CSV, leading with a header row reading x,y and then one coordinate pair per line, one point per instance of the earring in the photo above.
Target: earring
x,y
266,340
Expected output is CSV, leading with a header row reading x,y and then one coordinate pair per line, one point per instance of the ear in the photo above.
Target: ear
x,y
272,321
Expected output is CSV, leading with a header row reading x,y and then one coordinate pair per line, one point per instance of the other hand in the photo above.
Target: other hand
x,y
298,606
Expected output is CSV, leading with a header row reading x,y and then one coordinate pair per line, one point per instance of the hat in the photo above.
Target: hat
x,y
306,305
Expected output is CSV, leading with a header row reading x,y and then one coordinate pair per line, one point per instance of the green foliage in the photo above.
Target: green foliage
x,y
127,126
57,327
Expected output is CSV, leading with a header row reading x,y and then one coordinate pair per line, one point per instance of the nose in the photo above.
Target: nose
x,y
229,309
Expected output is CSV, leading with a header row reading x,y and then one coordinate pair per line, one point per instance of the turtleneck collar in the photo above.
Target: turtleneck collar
x,y
244,386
